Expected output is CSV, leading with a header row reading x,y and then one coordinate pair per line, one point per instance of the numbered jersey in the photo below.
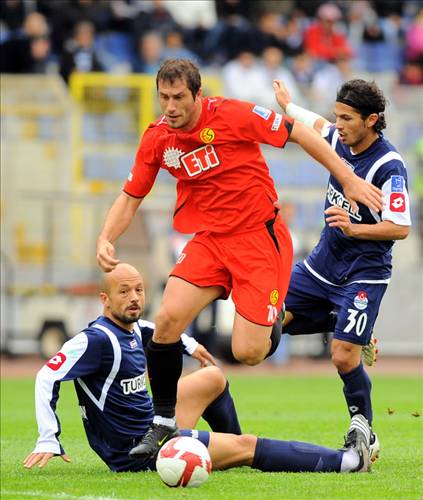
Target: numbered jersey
x,y
223,182
339,259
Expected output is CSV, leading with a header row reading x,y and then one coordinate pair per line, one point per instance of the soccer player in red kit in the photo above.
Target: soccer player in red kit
x,y
225,196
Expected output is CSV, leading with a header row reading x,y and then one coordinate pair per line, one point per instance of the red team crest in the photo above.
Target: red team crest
x,y
397,202
56,361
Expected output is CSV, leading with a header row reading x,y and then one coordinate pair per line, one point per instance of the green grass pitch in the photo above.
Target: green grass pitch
x,y
282,407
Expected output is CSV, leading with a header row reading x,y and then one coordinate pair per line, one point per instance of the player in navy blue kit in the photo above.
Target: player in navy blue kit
x,y
340,286
107,363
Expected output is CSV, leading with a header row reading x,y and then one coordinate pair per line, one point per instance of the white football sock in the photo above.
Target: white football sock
x,y
350,460
169,422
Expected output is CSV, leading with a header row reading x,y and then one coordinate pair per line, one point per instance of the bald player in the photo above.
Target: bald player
x,y
106,361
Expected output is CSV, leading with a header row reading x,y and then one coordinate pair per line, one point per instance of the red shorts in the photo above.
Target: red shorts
x,y
255,266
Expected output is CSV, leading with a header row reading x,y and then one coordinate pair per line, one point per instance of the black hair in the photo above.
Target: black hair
x,y
366,98
180,69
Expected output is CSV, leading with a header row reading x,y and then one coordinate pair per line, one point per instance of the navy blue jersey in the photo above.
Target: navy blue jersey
x,y
108,367
339,259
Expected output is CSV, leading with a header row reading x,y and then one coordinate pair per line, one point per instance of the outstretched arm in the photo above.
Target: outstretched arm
x,y
117,221
355,188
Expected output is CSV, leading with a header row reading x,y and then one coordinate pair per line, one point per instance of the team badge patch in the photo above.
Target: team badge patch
x,y
207,135
276,122
397,202
56,361
133,344
262,112
130,176
274,296
397,183
361,300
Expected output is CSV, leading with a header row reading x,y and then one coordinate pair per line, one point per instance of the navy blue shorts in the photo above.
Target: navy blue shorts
x,y
349,311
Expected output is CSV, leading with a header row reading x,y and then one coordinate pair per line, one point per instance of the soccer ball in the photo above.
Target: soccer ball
x,y
183,461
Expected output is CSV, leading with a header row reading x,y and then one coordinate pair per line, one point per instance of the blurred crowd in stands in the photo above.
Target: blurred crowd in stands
x,y
312,45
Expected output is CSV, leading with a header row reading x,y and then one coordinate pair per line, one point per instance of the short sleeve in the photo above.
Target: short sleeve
x,y
145,168
249,122
397,202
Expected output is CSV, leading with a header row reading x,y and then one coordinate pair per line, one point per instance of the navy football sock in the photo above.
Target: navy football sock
x,y
221,414
294,456
357,389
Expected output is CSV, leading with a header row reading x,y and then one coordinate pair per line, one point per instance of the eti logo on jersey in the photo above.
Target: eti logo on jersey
x,y
56,361
397,202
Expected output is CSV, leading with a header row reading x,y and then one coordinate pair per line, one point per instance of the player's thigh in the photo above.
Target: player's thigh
x,y
230,450
260,265
307,304
196,391
358,309
181,303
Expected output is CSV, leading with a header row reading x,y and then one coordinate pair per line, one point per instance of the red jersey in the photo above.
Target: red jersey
x,y
223,182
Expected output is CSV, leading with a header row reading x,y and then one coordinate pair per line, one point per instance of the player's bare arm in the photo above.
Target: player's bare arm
x,y
382,231
117,221
355,188
41,459
283,98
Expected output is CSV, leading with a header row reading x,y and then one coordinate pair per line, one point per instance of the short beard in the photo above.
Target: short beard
x,y
127,320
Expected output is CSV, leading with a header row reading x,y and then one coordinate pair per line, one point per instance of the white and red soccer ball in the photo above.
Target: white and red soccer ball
x,y
183,461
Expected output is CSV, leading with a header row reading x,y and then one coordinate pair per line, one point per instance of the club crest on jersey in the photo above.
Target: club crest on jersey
x,y
337,198
274,296
171,157
397,202
207,135
133,344
56,361
262,112
361,300
397,183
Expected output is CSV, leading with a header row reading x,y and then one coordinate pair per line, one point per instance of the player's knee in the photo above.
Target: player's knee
x,y
215,377
168,327
343,357
249,355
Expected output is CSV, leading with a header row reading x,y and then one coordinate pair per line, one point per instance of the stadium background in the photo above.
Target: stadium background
x,y
77,90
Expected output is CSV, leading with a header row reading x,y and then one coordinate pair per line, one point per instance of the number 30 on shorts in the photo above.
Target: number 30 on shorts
x,y
356,320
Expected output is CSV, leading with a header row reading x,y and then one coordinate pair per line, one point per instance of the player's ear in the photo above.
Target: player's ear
x,y
199,93
103,297
372,119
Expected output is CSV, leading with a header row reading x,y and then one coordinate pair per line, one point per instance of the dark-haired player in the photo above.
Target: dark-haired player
x,y
340,286
225,196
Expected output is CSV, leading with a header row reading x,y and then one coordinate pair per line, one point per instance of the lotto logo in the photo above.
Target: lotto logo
x,y
199,160
397,202
56,361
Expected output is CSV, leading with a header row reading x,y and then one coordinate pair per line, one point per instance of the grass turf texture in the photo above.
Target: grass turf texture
x,y
280,407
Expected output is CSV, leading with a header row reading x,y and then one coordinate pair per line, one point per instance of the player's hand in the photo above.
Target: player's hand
x,y
106,255
202,355
41,459
338,217
282,95
357,189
